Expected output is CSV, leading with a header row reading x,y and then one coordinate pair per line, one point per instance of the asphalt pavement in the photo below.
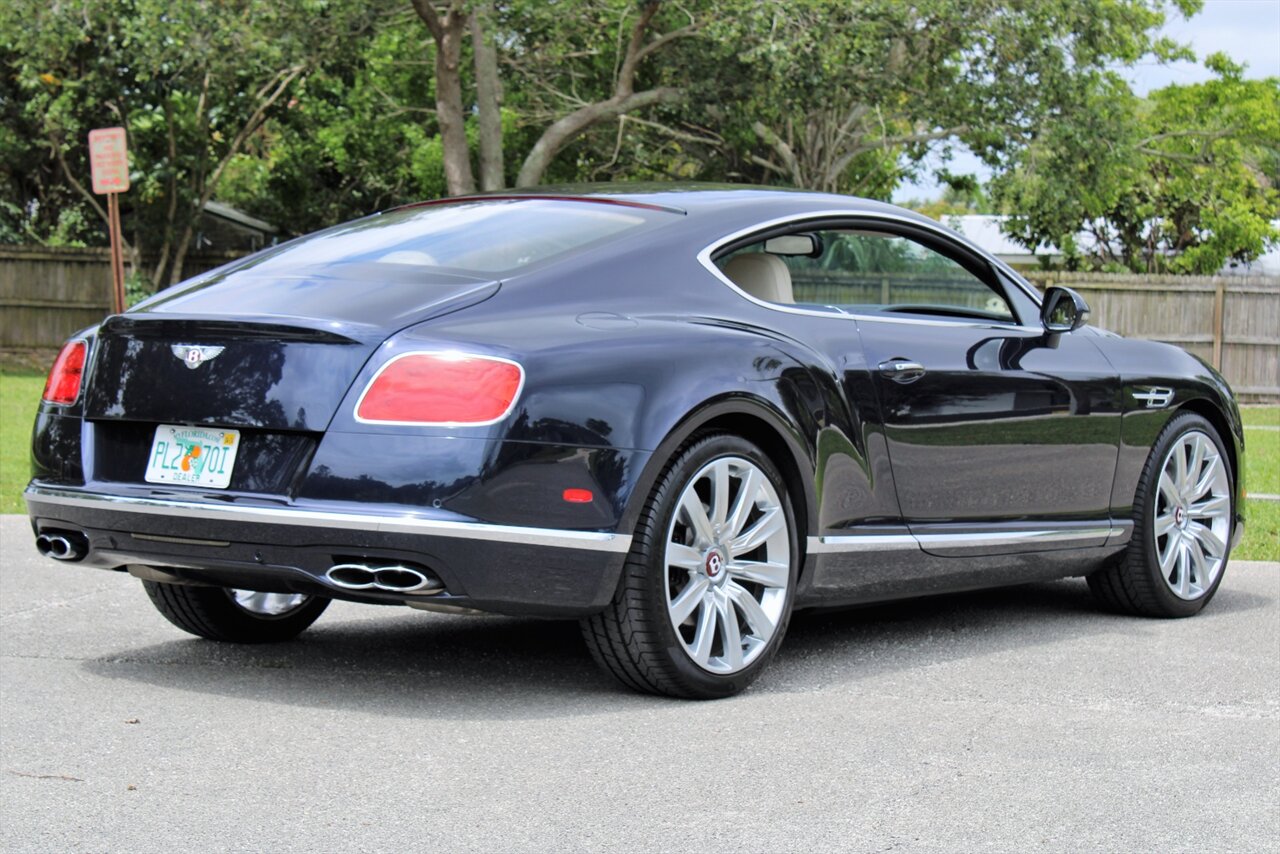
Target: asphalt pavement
x,y
1014,720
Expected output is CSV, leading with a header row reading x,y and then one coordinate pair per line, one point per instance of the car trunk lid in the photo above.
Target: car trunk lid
x,y
242,349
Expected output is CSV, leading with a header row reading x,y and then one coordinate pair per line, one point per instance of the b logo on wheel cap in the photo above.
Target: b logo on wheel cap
x,y
715,563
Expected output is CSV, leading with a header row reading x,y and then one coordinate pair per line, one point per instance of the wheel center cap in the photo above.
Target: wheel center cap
x,y
1180,517
714,564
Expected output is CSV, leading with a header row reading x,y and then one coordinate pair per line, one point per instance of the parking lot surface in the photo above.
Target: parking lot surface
x,y
1011,720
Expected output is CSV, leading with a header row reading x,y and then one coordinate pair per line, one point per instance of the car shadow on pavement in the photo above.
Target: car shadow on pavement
x,y
418,665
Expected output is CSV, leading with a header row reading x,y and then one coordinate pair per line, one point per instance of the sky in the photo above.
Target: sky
x,y
1248,31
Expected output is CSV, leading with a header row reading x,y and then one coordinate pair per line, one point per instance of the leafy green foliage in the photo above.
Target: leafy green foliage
x,y
851,96
313,112
193,82
1181,182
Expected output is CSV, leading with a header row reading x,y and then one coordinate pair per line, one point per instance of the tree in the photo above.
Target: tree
x,y
449,26
851,96
1182,181
534,33
313,112
194,83
36,203
963,196
358,135
644,38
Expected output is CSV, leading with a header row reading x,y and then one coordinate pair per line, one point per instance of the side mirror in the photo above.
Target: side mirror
x,y
1063,310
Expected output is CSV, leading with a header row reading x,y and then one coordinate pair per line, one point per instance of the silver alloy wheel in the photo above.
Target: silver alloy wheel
x,y
728,561
263,604
1192,519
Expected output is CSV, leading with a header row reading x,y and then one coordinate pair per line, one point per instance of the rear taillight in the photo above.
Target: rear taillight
x,y
63,385
441,389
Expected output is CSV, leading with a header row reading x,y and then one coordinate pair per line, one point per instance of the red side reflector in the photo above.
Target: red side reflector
x,y
63,385
578,496
441,388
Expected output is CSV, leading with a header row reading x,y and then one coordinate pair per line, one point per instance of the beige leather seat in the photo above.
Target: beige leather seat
x,y
763,276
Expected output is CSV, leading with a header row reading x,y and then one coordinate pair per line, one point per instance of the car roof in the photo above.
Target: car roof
x,y
702,199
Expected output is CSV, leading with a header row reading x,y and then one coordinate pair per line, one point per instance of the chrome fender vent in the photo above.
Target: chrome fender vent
x,y
1153,397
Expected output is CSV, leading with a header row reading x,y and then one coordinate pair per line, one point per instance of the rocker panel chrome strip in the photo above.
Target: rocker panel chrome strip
x,y
863,543
908,542
549,537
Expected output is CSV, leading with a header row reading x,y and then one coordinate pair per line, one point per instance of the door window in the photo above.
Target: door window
x,y
854,271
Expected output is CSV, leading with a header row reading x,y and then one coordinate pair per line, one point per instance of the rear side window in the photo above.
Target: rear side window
x,y
857,271
487,237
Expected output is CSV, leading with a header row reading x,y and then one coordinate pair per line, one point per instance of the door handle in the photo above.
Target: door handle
x,y
901,370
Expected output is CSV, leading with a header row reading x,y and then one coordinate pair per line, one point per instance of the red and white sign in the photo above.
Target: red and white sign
x,y
109,160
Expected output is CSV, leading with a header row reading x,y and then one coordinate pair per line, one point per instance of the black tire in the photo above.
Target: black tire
x,y
634,638
1132,582
211,612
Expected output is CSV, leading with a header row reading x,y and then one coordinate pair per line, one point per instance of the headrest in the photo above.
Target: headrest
x,y
763,276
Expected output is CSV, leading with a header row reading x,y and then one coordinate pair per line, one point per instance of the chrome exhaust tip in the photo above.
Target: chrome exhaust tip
x,y
392,579
63,546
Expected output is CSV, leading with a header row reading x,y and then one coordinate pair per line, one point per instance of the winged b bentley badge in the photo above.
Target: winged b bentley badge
x,y
1155,397
194,356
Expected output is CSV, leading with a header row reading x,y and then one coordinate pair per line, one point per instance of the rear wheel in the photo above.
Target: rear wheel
x,y
706,592
1183,517
238,616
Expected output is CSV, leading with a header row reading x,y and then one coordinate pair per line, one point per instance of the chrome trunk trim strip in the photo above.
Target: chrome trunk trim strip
x,y
547,537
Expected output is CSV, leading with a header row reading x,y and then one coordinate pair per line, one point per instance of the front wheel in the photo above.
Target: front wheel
x,y
238,616
1183,518
706,592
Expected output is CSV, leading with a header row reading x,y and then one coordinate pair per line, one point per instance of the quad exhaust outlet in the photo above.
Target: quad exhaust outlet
x,y
64,546
393,579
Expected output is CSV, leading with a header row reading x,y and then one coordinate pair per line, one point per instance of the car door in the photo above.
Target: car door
x,y
1001,438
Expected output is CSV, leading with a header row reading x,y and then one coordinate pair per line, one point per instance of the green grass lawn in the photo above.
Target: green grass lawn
x,y
20,392
1262,474
1260,416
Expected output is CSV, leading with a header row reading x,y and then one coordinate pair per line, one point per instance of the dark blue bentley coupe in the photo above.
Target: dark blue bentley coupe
x,y
675,414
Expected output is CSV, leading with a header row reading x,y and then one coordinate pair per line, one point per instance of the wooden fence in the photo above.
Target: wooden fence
x,y
1233,322
47,294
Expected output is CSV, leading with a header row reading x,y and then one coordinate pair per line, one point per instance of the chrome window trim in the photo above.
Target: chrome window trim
x,y
704,258
405,524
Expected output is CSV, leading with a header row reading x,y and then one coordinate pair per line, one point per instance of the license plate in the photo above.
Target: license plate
x,y
192,456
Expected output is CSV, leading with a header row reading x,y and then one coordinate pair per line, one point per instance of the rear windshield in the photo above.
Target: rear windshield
x,y
479,237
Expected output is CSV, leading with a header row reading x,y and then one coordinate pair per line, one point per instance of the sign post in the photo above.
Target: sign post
x,y
109,162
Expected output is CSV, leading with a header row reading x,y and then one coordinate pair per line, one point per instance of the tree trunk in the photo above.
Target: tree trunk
x,y
180,252
447,31
488,101
453,127
171,213
567,129
625,97
203,187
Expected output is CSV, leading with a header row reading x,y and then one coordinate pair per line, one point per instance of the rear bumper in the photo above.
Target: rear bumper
x,y
500,568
